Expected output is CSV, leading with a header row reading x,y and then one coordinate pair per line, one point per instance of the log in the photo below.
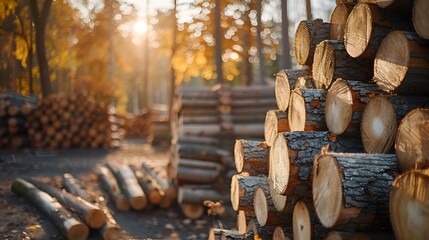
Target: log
x,y
280,202
305,223
150,186
250,157
275,122
197,194
197,175
72,186
409,201
129,185
242,222
353,188
260,232
197,140
69,226
282,233
92,215
412,139
304,82
265,212
401,64
164,183
331,61
243,189
362,36
380,117
383,235
420,18
192,211
199,119
249,130
192,163
308,34
307,110
224,234
202,152
339,20
345,102
285,80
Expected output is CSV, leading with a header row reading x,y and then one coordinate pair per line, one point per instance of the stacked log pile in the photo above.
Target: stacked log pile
x,y
207,121
77,121
331,172
138,125
14,109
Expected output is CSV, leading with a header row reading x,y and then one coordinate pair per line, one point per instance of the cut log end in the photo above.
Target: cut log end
x,y
420,18
261,206
301,223
121,203
302,43
279,164
241,222
235,192
323,65
279,234
279,201
78,232
296,112
358,30
327,190
391,61
138,203
338,21
275,122
95,218
282,90
378,126
192,211
239,155
412,140
338,109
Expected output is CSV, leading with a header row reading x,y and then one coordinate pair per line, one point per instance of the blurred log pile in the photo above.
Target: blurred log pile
x,y
138,125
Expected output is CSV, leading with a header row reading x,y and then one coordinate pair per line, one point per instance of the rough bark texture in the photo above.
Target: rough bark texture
x,y
285,81
308,34
412,140
353,188
331,61
275,122
339,20
224,234
401,64
243,189
111,186
260,232
307,110
250,157
265,212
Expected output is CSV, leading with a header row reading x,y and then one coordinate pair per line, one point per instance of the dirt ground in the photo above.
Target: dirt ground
x,y
20,220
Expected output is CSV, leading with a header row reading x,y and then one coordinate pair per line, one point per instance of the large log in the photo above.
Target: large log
x,y
420,18
339,20
331,61
353,188
69,226
243,189
345,102
401,64
307,110
275,122
285,80
265,212
224,234
380,117
409,201
412,140
197,194
129,185
111,186
92,215
250,157
308,34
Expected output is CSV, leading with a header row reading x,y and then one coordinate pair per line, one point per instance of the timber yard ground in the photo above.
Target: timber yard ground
x,y
20,220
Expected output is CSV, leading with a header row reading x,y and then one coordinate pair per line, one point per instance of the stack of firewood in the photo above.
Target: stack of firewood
x,y
331,172
138,125
14,108
207,121
77,121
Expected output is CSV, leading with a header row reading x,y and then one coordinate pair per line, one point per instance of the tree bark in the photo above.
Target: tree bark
x,y
275,122
224,234
197,194
353,188
250,157
260,232
72,186
69,226
242,191
307,110
285,81
339,20
150,186
308,34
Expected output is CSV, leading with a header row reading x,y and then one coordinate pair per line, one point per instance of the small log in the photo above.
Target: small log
x,y
401,64
92,215
420,18
412,140
265,212
409,201
353,188
150,186
380,117
192,211
224,234
339,20
282,233
129,185
72,186
69,226
308,34
307,110
242,220
242,191
163,181
260,232
275,122
345,102
250,157
280,202
305,223
197,175
331,61
285,80
202,152
197,194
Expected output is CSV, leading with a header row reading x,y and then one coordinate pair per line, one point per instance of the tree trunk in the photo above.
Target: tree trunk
x,y
93,216
69,226
259,43
250,157
275,122
285,82
401,64
197,194
412,139
242,191
420,18
345,102
307,110
260,232
224,234
353,188
286,62
308,34
409,200
218,41
331,61
339,20
264,208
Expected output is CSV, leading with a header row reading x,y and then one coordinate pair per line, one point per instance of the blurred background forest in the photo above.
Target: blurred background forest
x,y
129,52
